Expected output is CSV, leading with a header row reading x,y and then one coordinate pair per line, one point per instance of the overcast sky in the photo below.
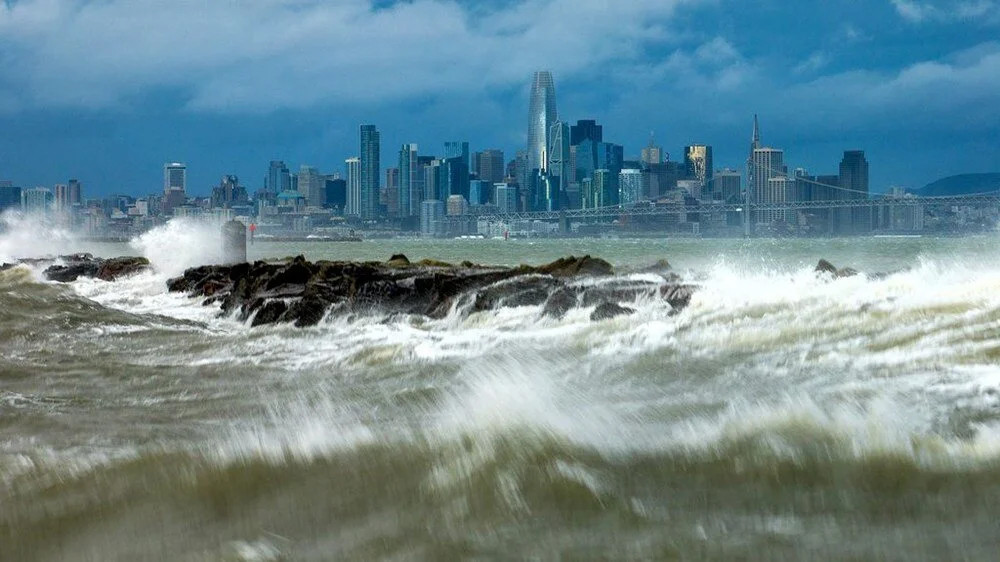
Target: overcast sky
x,y
107,90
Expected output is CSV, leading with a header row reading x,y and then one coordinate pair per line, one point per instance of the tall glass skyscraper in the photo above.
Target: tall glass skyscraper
x,y
353,204
411,181
541,117
369,175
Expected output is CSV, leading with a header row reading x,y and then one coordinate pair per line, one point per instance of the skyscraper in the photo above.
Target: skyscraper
x,y
174,185
369,175
698,164
352,206
392,191
61,193
36,201
491,166
411,181
278,177
75,195
629,186
457,149
585,129
652,154
10,195
854,185
559,164
174,177
312,185
854,175
541,116
766,163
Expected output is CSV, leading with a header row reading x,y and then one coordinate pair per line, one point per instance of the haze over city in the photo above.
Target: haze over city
x,y
107,93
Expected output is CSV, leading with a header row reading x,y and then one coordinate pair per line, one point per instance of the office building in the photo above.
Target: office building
x,y
278,177
10,196
652,154
411,181
457,205
854,185
727,186
479,192
312,185
457,149
432,218
630,186
391,189
559,159
37,200
369,172
336,194
698,164
490,167
352,205
586,129
541,117
506,197
767,164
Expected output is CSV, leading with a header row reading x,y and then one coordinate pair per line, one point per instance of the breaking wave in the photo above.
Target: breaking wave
x,y
780,412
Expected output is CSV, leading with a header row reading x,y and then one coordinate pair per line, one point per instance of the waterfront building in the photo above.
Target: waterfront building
x,y
541,117
352,205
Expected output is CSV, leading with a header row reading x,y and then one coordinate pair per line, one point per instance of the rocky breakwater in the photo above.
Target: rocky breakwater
x,y
303,292
66,269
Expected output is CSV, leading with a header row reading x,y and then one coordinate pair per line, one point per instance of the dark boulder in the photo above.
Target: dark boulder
x,y
398,260
825,267
574,266
114,268
560,302
72,270
269,313
677,296
608,310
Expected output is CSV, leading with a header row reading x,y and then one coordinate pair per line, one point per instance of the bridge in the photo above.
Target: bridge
x,y
978,200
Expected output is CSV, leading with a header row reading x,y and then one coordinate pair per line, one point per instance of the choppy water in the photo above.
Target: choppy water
x,y
779,417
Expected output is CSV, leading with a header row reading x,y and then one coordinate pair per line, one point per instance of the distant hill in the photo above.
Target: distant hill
x,y
962,184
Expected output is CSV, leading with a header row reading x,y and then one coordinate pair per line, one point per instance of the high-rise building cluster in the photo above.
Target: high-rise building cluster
x,y
565,165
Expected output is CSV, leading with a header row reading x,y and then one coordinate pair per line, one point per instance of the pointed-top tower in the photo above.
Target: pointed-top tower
x,y
755,140
541,116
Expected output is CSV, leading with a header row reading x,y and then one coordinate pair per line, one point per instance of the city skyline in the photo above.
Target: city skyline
x,y
913,83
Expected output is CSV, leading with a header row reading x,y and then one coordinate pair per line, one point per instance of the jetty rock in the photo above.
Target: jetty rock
x,y
302,292
69,268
